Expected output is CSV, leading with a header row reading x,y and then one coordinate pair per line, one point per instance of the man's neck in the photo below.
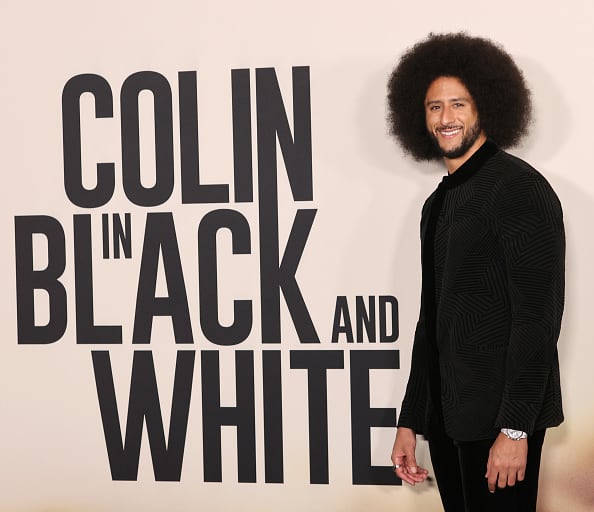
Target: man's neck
x,y
453,164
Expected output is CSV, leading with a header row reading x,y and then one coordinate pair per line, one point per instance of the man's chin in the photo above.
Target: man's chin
x,y
456,152
450,152
453,152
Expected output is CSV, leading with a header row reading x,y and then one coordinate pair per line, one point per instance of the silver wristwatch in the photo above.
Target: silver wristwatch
x,y
515,435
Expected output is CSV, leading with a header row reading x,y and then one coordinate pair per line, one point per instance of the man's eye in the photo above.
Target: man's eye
x,y
433,108
458,105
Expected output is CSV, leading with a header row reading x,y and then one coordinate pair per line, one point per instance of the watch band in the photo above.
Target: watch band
x,y
514,435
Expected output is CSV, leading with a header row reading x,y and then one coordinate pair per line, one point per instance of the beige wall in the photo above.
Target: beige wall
x,y
363,241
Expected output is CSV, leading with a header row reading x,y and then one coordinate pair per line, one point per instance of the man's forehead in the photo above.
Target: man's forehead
x,y
447,88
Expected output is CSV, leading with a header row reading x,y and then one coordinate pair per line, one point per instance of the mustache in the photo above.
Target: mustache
x,y
449,127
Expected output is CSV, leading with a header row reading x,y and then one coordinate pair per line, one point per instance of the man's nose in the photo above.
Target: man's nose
x,y
447,116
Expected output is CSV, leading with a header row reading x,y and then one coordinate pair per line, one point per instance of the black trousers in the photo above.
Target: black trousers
x,y
460,469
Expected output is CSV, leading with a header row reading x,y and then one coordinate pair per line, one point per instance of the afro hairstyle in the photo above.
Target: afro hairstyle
x,y
494,81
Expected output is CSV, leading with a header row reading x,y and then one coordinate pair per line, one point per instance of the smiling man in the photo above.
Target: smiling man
x,y
452,121
484,380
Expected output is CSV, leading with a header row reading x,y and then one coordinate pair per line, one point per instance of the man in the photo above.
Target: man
x,y
484,380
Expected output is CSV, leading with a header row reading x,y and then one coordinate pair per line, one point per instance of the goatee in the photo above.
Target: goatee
x,y
467,141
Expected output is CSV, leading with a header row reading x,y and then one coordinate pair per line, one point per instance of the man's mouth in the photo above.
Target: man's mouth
x,y
449,131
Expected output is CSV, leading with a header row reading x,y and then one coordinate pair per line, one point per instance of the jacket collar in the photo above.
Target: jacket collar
x,y
473,164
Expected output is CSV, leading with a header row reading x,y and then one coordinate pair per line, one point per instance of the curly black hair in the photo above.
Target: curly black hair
x,y
494,81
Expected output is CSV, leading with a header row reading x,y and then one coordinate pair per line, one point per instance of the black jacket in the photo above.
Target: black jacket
x,y
493,253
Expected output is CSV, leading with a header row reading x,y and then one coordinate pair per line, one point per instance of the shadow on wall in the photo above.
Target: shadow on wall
x,y
567,468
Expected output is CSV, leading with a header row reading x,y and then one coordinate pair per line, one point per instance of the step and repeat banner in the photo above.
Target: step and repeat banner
x,y
211,253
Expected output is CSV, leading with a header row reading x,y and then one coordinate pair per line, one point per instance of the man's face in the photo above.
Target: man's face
x,y
452,118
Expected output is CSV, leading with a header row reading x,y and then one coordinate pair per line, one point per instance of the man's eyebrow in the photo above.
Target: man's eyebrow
x,y
450,100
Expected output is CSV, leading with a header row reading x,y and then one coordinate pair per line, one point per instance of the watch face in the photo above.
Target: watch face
x,y
516,435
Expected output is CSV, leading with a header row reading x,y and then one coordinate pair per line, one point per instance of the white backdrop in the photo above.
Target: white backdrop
x,y
363,240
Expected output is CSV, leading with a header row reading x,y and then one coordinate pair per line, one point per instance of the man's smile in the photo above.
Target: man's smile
x,y
449,131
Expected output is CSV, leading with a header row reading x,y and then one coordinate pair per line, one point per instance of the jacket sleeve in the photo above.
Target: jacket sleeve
x,y
530,228
413,412
414,404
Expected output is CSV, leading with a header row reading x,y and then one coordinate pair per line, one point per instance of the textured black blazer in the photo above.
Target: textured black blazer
x,y
485,346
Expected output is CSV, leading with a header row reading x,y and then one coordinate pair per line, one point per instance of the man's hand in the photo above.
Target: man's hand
x,y
507,462
403,457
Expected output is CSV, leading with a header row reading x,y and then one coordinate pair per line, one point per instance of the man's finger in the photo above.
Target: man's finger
x,y
403,472
502,480
491,479
411,462
403,475
398,460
